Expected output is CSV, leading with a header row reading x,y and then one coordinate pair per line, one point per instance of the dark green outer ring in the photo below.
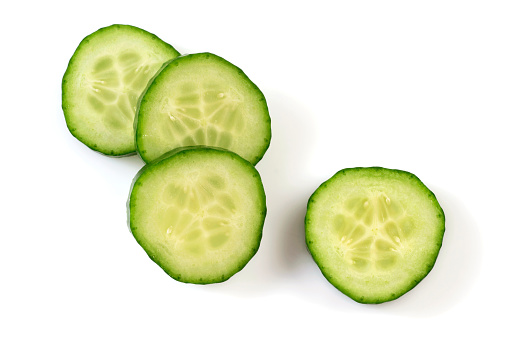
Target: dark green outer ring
x,y
159,76
169,156
377,171
69,72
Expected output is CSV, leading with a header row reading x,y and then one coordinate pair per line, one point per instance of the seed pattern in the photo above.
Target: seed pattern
x,y
198,213
372,231
203,115
115,83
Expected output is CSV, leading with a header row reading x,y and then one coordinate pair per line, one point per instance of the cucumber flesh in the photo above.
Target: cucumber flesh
x,y
198,213
374,232
103,82
202,99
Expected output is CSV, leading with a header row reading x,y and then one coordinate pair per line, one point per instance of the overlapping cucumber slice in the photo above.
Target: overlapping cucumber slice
x,y
198,212
374,232
103,82
202,99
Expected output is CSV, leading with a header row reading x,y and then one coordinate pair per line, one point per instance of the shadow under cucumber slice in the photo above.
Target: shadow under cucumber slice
x,y
375,233
103,82
202,99
198,213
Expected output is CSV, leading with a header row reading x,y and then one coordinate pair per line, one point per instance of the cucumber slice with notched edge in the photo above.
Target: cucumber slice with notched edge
x,y
103,82
375,233
202,99
198,213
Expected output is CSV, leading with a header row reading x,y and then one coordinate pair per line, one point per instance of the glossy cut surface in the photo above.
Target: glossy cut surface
x,y
103,82
374,232
198,213
202,99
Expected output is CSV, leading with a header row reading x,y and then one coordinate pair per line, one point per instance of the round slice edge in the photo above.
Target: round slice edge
x,y
103,82
375,233
198,213
202,99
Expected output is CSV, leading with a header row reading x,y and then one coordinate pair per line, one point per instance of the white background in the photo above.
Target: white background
x,y
420,86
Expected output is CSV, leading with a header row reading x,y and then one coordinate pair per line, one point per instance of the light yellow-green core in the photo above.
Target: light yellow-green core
x,y
198,114
115,83
371,232
198,216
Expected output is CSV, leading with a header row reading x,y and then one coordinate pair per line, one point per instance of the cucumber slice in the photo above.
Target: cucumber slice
x,y
103,82
198,213
375,233
202,99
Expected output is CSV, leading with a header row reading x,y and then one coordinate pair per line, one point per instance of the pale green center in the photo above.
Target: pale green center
x,y
198,215
115,84
372,231
206,114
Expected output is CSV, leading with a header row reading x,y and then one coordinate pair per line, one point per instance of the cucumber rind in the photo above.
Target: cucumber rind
x,y
183,151
66,105
313,249
166,67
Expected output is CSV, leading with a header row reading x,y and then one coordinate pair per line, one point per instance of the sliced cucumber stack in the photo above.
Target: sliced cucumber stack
x,y
202,99
103,82
198,213
375,233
